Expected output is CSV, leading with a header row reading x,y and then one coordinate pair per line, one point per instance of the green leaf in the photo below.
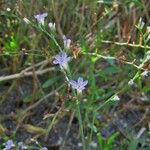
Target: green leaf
x,y
146,88
133,144
111,139
111,70
28,99
50,82
100,141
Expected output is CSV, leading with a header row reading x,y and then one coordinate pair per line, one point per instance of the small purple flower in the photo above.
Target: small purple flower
x,y
79,85
62,59
67,42
44,148
40,17
8,145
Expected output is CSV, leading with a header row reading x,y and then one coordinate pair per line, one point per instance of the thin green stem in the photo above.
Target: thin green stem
x,y
40,27
80,124
52,37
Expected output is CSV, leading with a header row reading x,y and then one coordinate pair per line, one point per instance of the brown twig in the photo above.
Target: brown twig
x,y
25,74
29,71
67,131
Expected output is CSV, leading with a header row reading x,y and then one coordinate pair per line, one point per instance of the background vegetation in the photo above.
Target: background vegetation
x,y
109,48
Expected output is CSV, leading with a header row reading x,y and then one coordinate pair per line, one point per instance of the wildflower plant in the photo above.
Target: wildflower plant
x,y
91,43
141,71
78,86
62,60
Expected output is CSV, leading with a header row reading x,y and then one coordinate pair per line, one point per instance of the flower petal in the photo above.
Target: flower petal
x,y
58,57
74,84
80,81
85,83
36,16
44,15
63,55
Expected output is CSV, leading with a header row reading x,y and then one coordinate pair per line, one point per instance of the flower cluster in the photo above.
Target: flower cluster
x,y
40,19
62,59
9,145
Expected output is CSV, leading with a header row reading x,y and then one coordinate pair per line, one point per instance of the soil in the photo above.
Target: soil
x,y
124,121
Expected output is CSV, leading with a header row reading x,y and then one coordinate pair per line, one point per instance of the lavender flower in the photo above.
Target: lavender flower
x,y
62,59
8,145
67,42
40,17
44,148
79,85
